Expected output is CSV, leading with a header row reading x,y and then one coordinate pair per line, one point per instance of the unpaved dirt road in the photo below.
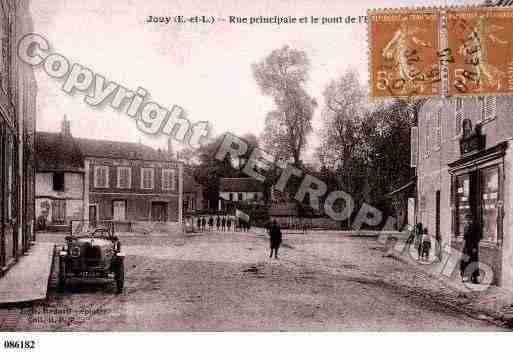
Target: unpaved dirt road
x,y
219,282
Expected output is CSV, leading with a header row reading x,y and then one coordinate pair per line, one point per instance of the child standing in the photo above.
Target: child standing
x,y
425,244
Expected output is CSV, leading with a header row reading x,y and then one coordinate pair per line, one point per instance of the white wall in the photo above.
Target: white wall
x,y
73,185
246,196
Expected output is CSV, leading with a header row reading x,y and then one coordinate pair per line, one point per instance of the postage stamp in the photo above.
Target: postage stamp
x,y
480,40
404,58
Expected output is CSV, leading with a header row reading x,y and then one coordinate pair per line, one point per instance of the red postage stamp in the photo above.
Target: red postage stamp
x,y
404,59
480,40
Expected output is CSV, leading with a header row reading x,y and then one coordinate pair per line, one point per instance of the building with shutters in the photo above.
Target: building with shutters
x,y
464,162
239,189
98,180
18,92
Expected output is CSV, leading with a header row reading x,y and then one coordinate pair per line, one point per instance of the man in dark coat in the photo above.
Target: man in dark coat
x,y
275,238
469,264
198,223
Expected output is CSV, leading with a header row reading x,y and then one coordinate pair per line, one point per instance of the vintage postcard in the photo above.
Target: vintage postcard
x,y
243,166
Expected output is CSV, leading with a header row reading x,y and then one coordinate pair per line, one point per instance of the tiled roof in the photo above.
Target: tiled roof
x,y
56,152
240,184
189,184
287,209
115,149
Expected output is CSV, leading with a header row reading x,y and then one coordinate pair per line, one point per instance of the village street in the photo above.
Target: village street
x,y
225,281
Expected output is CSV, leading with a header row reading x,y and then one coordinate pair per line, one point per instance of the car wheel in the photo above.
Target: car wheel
x,y
62,273
120,277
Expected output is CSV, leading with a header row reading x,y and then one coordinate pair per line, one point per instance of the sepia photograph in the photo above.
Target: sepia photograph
x,y
237,167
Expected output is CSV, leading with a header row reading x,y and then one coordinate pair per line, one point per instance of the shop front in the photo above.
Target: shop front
x,y
477,187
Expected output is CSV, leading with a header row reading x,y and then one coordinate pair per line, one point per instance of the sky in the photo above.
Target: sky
x,y
203,68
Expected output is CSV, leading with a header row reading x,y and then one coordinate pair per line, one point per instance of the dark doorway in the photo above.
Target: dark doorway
x,y
437,216
159,211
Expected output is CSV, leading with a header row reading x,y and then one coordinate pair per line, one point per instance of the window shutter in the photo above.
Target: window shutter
x,y
427,135
489,108
458,116
173,180
459,120
414,144
438,129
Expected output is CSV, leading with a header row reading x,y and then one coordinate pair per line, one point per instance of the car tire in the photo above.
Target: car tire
x,y
120,276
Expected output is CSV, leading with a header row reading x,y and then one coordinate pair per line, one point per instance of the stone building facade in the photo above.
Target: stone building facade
x,y
99,180
17,126
465,170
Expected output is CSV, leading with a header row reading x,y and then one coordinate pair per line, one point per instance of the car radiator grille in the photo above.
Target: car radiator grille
x,y
93,255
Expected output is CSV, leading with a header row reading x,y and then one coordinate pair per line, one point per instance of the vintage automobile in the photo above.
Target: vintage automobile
x,y
92,252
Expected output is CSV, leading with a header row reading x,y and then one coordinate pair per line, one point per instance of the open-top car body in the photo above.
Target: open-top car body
x,y
92,251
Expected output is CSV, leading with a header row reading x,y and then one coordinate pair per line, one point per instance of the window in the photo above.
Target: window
x,y
438,129
427,136
414,136
10,185
490,202
119,210
5,55
124,177
147,178
59,211
463,209
489,108
458,116
168,180
58,181
101,176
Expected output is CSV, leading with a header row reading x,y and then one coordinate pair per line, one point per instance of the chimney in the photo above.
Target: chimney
x,y
65,127
169,146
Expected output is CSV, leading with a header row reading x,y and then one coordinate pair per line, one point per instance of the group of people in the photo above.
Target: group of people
x,y
421,240
221,223
469,262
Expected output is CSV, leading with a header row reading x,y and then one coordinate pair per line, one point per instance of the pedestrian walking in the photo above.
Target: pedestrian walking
x,y
203,224
229,223
223,224
198,223
218,222
275,239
